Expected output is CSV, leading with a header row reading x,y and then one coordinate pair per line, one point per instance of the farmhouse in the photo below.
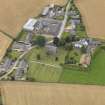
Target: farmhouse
x,y
29,26
82,42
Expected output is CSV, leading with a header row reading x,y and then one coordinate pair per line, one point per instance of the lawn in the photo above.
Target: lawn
x,y
96,74
45,73
49,59
41,72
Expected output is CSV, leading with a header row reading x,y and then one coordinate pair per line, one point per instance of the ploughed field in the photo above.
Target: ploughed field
x,y
93,12
14,13
20,93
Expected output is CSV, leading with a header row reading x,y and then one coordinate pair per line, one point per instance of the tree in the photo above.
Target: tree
x,y
69,47
56,59
40,41
56,41
38,56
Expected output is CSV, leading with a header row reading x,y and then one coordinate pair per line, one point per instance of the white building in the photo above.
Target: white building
x,y
45,11
29,26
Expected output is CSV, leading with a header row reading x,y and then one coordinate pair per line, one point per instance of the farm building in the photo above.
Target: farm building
x,y
6,65
47,26
21,47
29,26
21,69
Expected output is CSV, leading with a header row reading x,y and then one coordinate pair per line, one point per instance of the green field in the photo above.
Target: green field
x,y
96,74
41,72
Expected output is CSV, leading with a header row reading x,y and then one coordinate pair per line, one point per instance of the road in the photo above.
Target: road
x,y
65,19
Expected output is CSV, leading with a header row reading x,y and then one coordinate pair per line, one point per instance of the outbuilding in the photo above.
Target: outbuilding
x,y
29,26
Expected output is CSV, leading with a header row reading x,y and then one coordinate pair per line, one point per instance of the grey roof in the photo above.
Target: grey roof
x,y
6,65
20,46
48,26
75,21
21,70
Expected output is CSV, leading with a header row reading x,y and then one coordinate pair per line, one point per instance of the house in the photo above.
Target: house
x,y
21,70
51,50
82,42
29,25
85,60
21,47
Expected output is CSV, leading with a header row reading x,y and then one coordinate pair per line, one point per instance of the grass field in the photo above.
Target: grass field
x,y
14,13
20,93
42,72
95,75
4,44
46,69
47,73
93,17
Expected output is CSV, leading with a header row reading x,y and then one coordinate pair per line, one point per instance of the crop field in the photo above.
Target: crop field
x,y
4,44
14,13
20,93
93,17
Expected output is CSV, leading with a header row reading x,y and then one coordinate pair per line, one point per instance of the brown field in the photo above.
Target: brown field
x,y
16,93
4,44
14,13
93,12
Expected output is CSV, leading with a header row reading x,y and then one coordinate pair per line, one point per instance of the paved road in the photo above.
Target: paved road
x,y
65,19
